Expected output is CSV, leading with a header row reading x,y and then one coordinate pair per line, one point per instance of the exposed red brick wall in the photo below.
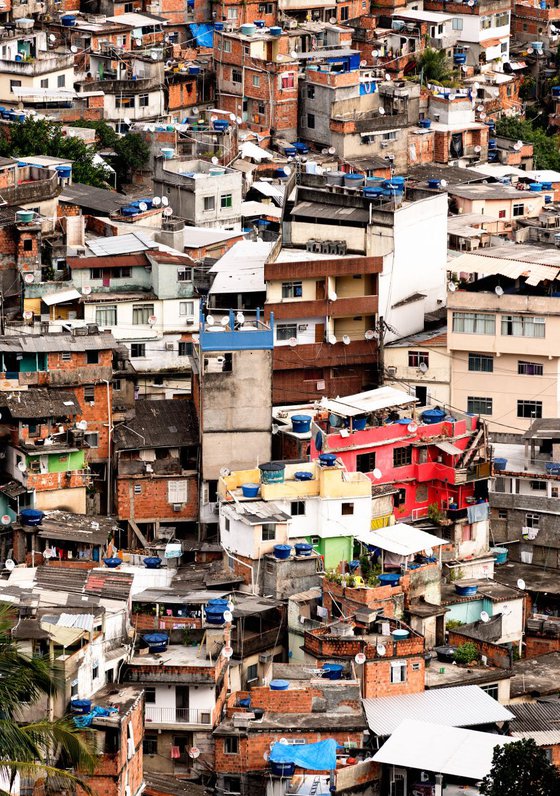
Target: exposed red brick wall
x,y
152,502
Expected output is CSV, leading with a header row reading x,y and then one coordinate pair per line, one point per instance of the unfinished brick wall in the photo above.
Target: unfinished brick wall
x,y
152,502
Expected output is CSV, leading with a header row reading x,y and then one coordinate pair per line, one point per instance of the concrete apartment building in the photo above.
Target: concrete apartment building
x,y
502,333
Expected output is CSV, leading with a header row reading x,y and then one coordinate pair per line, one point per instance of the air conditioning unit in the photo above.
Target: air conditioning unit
x,y
391,370
169,346
177,507
189,319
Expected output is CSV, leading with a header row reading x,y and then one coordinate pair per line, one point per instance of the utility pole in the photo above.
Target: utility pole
x,y
381,328
2,320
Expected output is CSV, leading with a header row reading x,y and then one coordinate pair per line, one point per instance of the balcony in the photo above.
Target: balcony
x,y
116,86
436,471
37,66
186,717
250,643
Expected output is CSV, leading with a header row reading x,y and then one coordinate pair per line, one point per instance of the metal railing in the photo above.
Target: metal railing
x,y
155,715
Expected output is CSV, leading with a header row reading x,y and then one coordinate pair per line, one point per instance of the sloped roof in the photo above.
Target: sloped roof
x,y
40,403
170,423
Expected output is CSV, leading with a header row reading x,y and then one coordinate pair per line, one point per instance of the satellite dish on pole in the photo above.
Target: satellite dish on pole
x,y
422,367
381,650
28,279
73,49
228,616
381,111
346,339
484,616
194,752
210,320
156,201
6,519
412,428
86,290
369,334
227,652
332,339
452,287
143,207
332,150
10,564
360,658
521,584
377,473
164,201
22,467
498,290
168,211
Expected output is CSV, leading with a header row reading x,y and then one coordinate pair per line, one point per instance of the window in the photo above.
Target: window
x,y
185,349
457,24
186,308
231,745
177,491
226,201
344,12
209,203
92,357
74,689
232,13
538,486
479,406
236,76
311,121
268,532
532,520
143,100
14,84
522,326
95,671
292,290
518,209
96,273
501,214
226,45
485,23
28,244
137,350
398,671
501,19
184,274
285,331
504,47
91,439
532,409
481,363
261,108
390,136
288,80
232,785
417,358
310,92
474,323
502,514
89,393
124,102
45,83
252,672
467,533
116,385
149,743
347,509
297,508
256,80
141,314
150,695
365,462
529,368
491,689
402,456
66,356
266,8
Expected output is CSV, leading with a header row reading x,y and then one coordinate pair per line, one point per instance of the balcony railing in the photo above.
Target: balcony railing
x,y
155,715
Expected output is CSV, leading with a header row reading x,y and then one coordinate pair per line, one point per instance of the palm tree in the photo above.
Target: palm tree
x,y
47,750
434,65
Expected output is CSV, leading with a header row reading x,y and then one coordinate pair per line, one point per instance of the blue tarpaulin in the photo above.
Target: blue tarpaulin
x,y
86,720
319,756
203,34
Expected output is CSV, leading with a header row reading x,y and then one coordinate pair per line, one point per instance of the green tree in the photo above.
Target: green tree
x,y
521,768
41,749
434,65
132,155
545,147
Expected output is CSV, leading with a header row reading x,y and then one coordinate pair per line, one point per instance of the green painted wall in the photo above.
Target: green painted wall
x,y
61,462
4,508
334,550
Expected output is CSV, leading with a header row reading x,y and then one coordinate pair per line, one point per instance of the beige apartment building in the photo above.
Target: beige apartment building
x,y
504,338
421,364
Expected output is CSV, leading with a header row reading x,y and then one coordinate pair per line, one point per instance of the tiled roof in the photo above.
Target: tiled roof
x,y
158,424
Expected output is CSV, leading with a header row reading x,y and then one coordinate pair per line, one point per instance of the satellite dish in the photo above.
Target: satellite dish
x,y
227,651
126,121
332,20
387,76
73,49
168,211
381,111
275,428
238,119
10,564
228,616
52,37
292,342
156,201
332,150
521,584
213,118
287,170
266,757
412,428
332,339
529,50
210,320
363,63
332,295
86,290
154,55
283,741
369,334
422,367
346,339
194,752
484,616
28,279
224,320
240,318
360,658
82,425
443,183
232,117
452,287
377,473
230,606
294,54
22,467
152,319
6,519
483,116
478,148
498,290
138,42
224,472
517,146
27,315
143,206
381,650
47,554
375,53
164,201
215,160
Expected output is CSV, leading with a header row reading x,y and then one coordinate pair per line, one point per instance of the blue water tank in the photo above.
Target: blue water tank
x,y
535,187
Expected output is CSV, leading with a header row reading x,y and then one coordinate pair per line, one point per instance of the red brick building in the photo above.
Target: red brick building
x,y
156,469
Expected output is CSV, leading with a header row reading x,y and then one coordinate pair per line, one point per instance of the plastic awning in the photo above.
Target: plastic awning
x,y
61,297
401,539
320,756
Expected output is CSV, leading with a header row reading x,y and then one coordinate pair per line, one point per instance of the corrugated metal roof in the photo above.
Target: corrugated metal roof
x,y
272,190
121,244
57,342
108,583
539,265
401,539
459,706
254,512
441,749
370,401
537,720
61,296
317,210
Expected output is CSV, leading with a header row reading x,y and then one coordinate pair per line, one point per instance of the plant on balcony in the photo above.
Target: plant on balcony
x,y
453,623
466,653
435,514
